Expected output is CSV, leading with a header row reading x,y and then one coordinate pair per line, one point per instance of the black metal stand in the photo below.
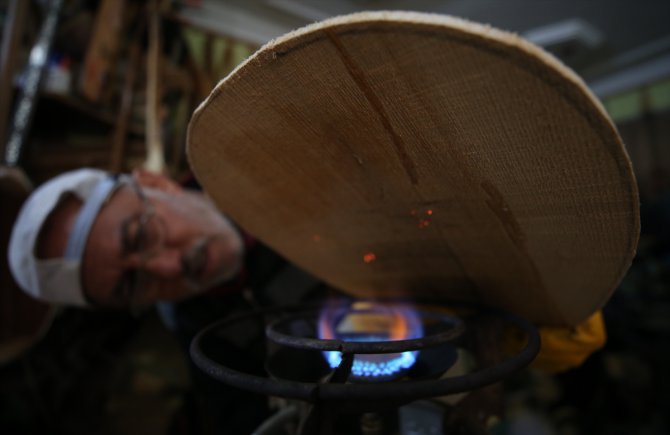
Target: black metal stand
x,y
337,391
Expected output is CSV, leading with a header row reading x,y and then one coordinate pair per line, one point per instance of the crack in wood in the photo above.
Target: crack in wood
x,y
361,81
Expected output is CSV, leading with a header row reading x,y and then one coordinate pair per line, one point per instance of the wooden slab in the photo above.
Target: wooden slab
x,y
405,153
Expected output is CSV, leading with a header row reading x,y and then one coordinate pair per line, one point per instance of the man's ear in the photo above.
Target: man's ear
x,y
155,180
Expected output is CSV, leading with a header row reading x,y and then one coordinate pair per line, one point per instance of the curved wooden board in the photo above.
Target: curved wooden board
x,y
410,154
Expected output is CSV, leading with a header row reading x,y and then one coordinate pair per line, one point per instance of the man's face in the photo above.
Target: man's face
x,y
155,241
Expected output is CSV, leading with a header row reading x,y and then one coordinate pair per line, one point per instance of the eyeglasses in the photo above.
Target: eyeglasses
x,y
143,236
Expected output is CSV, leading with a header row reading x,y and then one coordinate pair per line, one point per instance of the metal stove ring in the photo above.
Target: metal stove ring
x,y
401,390
369,347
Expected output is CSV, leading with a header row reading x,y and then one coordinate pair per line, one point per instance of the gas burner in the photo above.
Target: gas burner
x,y
371,342
302,363
368,321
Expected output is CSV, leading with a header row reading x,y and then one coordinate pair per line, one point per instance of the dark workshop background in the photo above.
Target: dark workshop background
x,y
75,371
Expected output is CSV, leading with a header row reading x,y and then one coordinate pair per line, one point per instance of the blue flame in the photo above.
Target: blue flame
x,y
363,368
370,365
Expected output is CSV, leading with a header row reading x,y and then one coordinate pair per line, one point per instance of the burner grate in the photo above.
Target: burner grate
x,y
332,388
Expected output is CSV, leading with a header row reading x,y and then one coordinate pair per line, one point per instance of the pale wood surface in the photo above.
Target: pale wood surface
x,y
403,153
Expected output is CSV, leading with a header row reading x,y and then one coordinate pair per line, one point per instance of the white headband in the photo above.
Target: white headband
x,y
57,280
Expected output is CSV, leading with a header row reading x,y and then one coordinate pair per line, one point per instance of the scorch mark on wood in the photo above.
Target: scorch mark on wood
x,y
500,208
361,81
503,212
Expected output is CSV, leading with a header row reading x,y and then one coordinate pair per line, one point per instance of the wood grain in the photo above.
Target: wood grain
x,y
413,154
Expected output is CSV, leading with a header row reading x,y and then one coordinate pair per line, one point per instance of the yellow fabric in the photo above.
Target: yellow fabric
x,y
566,348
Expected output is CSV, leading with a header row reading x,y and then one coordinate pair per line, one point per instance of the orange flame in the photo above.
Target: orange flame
x,y
377,319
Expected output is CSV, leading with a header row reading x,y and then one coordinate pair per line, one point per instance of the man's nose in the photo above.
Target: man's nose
x,y
167,263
